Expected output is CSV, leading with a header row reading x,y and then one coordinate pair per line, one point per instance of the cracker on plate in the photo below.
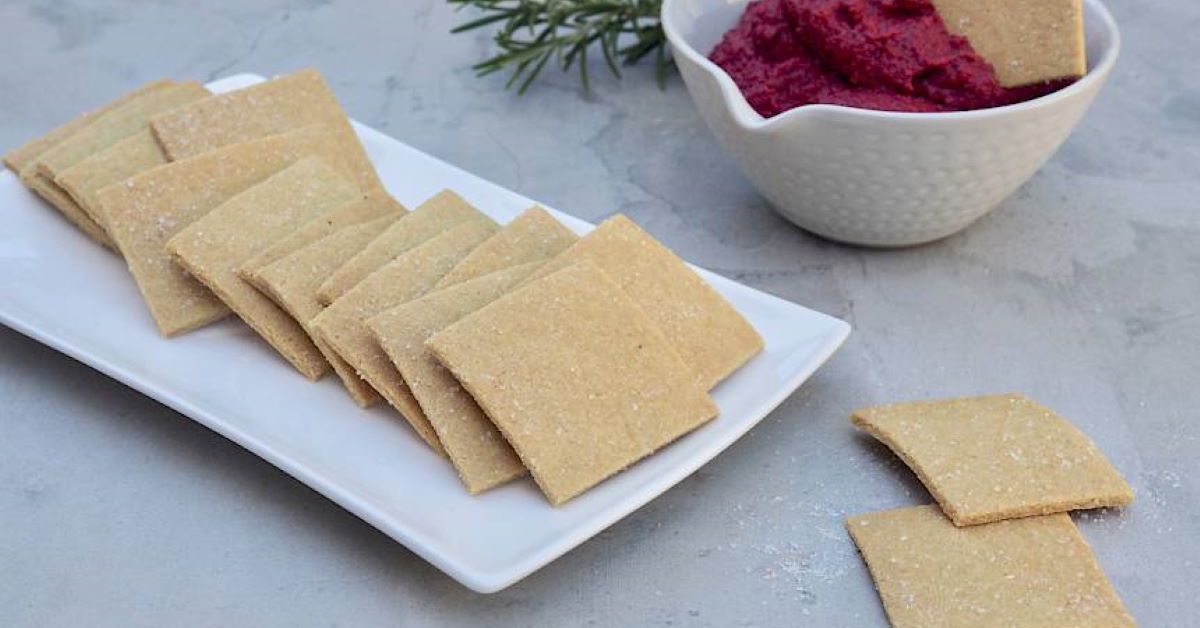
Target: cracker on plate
x,y
281,104
135,154
996,457
441,212
343,325
478,451
23,156
212,247
292,283
533,236
148,209
1036,571
374,204
578,379
711,337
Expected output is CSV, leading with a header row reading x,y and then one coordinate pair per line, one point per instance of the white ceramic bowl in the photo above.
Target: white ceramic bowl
x,y
880,178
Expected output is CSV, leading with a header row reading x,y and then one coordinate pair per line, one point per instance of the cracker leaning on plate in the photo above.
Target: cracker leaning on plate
x,y
133,155
1036,571
996,457
212,248
577,377
148,209
479,453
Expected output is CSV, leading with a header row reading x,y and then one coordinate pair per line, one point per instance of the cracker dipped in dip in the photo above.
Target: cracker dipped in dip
x,y
890,55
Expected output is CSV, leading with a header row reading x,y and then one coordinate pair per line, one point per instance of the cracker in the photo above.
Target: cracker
x,y
343,325
282,104
132,155
101,132
1037,571
114,126
374,204
709,334
996,457
533,236
23,156
148,209
74,214
441,212
480,454
578,379
1026,41
292,283
213,246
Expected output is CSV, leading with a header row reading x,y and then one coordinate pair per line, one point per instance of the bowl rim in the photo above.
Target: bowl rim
x,y
746,117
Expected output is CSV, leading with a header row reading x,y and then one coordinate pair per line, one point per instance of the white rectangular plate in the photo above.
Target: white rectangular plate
x,y
61,289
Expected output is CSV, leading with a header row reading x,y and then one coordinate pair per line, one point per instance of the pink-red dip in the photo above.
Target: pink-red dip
x,y
892,55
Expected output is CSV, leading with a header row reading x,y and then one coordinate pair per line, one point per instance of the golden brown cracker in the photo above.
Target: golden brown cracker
x,y
66,205
147,210
212,248
343,325
1026,41
132,155
533,236
476,448
281,104
441,212
709,334
580,382
1037,571
114,126
21,157
374,204
292,283
996,457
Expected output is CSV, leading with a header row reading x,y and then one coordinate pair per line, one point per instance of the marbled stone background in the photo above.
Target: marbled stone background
x,y
1083,291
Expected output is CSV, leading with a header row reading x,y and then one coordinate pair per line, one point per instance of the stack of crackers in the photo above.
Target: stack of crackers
x,y
998,549
508,348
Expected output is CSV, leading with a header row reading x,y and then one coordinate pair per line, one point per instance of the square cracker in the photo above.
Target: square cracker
x,y
23,156
578,379
114,126
281,104
60,200
480,454
343,325
103,131
374,204
133,155
213,246
437,214
533,236
292,283
711,337
1026,41
1036,571
996,457
148,209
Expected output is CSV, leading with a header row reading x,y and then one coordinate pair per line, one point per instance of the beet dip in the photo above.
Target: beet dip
x,y
891,55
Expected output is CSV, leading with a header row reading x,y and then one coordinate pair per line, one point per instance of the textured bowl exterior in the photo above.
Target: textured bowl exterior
x,y
880,178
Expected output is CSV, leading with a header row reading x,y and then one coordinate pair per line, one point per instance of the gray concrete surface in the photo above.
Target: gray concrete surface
x,y
1083,291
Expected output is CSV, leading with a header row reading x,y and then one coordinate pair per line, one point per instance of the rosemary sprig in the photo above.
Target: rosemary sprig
x,y
534,32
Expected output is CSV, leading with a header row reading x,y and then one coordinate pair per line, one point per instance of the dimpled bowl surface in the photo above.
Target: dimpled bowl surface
x,y
880,178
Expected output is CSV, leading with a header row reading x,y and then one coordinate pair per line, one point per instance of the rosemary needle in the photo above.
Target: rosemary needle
x,y
534,32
